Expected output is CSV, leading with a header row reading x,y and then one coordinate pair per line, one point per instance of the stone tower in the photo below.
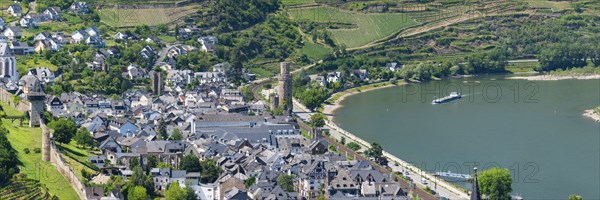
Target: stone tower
x,y
35,95
157,81
284,89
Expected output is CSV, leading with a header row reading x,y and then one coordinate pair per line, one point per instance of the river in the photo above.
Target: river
x,y
534,128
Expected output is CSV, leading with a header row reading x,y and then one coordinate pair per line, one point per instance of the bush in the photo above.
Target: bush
x,y
26,150
353,146
37,150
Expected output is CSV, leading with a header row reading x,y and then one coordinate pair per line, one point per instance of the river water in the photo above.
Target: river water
x,y
534,128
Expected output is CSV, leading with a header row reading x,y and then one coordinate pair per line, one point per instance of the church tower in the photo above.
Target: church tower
x,y
285,88
8,63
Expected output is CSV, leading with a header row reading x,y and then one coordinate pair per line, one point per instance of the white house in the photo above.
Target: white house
x,y
12,32
14,10
334,77
79,36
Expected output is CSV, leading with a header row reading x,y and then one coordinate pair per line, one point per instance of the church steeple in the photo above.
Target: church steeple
x,y
475,195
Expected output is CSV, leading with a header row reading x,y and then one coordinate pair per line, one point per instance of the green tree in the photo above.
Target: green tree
x,y
176,135
575,197
164,165
9,159
210,171
152,162
353,146
64,130
133,163
495,183
317,120
162,130
250,181
175,192
375,152
286,182
190,163
137,193
83,137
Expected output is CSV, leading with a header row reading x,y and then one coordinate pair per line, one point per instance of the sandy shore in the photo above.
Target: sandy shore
x,y
591,114
329,109
557,77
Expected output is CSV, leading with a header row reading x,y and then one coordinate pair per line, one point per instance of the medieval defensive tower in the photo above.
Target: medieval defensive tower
x,y
285,88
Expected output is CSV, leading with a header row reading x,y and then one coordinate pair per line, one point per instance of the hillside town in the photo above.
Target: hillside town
x,y
297,99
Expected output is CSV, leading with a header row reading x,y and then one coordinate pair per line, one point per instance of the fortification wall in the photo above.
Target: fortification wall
x,y
57,160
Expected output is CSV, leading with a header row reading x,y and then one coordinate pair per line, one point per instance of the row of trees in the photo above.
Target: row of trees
x,y
9,160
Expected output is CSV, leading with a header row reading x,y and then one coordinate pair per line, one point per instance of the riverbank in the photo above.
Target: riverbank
x,y
591,113
558,77
338,97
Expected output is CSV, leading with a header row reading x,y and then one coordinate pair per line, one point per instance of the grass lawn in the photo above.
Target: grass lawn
x,y
33,166
167,39
296,2
9,110
76,157
315,51
554,5
261,73
369,26
522,67
30,62
150,17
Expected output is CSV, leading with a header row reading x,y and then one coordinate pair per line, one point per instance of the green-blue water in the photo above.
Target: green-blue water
x,y
537,130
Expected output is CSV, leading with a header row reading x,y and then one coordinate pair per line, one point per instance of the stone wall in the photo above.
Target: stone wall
x,y
7,98
62,167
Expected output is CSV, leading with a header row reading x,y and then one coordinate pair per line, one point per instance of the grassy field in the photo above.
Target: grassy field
x,y
33,166
76,157
522,67
150,17
315,51
554,5
368,26
296,2
9,110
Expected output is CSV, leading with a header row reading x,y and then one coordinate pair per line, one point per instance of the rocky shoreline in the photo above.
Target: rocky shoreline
x,y
592,114
557,77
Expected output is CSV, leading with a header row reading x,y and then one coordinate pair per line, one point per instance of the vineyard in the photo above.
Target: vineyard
x,y
117,17
363,27
25,189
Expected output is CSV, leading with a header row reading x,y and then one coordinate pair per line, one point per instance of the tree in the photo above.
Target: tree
x,y
137,193
353,146
176,135
250,181
83,137
152,161
140,179
210,171
175,192
190,163
286,182
575,197
317,120
495,183
164,165
9,159
162,130
375,151
133,163
64,130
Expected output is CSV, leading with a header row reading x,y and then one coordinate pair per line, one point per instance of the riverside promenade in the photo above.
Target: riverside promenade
x,y
444,189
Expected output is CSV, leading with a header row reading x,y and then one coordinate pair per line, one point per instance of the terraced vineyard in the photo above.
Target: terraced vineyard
x,y
365,27
150,17
26,189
